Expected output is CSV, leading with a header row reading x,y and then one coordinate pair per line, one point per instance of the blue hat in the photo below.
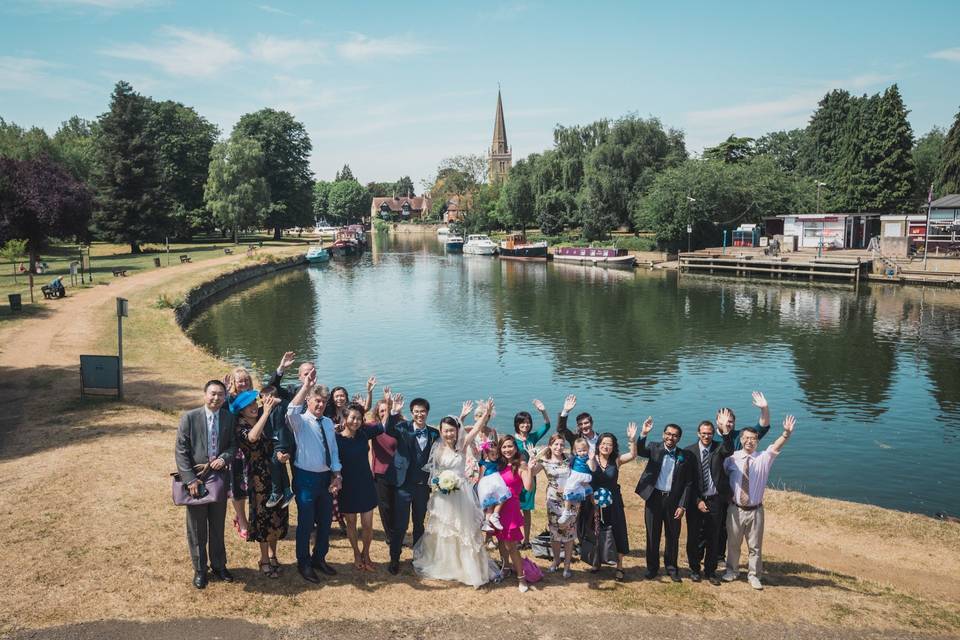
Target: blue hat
x,y
242,401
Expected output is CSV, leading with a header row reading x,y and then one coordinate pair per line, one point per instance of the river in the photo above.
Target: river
x,y
873,375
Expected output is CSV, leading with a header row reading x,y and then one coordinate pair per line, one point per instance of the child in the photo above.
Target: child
x,y
491,489
577,487
280,493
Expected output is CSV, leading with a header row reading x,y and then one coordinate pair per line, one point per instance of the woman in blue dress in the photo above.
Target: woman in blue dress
x,y
358,495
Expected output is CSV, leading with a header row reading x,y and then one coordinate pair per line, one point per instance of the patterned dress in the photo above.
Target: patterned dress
x,y
557,473
266,525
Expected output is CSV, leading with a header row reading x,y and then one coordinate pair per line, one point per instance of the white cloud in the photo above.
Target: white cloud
x,y
953,55
37,77
288,52
181,52
271,9
360,47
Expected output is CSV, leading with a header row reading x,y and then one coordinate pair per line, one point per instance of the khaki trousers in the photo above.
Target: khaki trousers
x,y
743,523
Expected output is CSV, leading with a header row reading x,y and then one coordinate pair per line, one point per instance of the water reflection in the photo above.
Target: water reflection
x,y
869,373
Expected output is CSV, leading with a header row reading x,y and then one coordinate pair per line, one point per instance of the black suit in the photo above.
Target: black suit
x,y
412,482
703,529
660,506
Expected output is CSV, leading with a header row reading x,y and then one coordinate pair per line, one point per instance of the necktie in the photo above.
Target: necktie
x,y
214,437
672,454
705,470
745,483
326,445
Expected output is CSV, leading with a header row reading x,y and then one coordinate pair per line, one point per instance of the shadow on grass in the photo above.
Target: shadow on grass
x,y
35,310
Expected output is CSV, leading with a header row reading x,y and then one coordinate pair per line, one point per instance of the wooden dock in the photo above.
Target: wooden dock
x,y
792,266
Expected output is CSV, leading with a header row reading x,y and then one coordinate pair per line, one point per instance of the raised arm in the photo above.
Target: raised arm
x,y
535,434
642,449
487,411
294,419
269,402
465,410
394,407
568,404
788,424
632,439
371,384
760,401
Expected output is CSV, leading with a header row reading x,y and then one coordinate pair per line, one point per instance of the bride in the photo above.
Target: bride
x,y
451,547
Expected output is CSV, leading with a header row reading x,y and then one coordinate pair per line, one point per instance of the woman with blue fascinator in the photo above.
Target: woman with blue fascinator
x,y
266,525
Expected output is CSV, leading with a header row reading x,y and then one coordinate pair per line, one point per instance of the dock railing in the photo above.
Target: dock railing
x,y
789,266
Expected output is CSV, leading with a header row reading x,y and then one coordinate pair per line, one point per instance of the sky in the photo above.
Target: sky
x,y
392,88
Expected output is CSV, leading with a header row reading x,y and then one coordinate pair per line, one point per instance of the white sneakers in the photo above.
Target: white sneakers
x,y
729,576
565,517
494,520
755,582
487,526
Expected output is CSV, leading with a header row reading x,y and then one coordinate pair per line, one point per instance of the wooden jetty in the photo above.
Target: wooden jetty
x,y
793,265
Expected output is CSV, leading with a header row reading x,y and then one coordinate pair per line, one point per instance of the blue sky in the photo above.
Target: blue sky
x,y
392,88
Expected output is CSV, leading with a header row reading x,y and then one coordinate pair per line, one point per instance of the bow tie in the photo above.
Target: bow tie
x,y
420,432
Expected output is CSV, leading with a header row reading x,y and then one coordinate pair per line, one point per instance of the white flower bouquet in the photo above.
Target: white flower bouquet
x,y
447,481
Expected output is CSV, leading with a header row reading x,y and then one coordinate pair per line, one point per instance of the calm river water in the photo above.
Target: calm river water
x,y
873,377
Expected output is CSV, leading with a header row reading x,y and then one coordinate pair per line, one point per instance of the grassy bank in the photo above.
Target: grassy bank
x,y
90,532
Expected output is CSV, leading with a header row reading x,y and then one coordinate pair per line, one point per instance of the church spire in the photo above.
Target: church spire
x,y
500,156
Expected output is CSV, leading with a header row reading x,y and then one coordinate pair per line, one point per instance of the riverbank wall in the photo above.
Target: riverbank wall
x,y
197,298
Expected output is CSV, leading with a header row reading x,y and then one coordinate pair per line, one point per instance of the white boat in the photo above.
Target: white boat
x,y
443,231
479,244
454,244
325,231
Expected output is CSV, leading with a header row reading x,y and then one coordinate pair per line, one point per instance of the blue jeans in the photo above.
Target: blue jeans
x,y
314,508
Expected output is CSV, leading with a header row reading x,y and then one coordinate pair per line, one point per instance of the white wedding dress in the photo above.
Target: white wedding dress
x,y
451,547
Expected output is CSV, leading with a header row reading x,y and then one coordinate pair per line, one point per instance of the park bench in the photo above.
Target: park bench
x,y
184,258
228,251
119,271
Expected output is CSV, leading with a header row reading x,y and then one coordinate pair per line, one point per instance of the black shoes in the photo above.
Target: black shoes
x,y
674,574
200,579
221,574
649,575
308,574
714,580
323,567
695,576
394,567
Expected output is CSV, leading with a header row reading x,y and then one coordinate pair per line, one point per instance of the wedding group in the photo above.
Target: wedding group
x,y
468,489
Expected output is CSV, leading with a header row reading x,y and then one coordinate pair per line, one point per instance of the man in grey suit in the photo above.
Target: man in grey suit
x,y
206,437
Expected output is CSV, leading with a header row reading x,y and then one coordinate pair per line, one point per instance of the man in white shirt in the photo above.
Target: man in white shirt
x,y
748,471
316,476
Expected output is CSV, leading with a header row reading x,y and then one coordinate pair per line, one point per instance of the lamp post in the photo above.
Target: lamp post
x,y
820,246
689,224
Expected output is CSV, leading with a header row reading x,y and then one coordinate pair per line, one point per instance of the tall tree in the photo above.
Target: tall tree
x,y
133,205
345,174
516,198
184,140
948,175
74,146
404,187
236,191
785,147
927,153
892,175
286,149
733,149
321,197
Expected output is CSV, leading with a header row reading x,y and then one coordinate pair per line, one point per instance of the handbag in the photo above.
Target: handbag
x,y
531,572
213,488
600,547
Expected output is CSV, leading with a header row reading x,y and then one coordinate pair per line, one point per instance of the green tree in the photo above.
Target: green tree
x,y
927,153
948,176
286,150
784,147
553,209
321,196
347,201
516,198
345,174
891,174
184,140
404,187
236,191
825,135
381,189
24,144
733,149
133,205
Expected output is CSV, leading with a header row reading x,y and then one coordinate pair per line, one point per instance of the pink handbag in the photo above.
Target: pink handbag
x,y
531,572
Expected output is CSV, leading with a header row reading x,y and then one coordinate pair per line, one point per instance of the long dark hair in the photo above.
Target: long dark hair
x,y
330,410
517,459
615,454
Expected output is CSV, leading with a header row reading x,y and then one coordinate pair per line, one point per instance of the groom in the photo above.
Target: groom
x,y
414,441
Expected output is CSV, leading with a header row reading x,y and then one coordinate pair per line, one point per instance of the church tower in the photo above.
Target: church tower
x,y
501,158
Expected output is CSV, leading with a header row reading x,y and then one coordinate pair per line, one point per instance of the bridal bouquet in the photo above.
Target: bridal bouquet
x,y
447,482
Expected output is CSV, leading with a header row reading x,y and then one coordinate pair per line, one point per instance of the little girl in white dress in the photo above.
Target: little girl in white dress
x,y
577,487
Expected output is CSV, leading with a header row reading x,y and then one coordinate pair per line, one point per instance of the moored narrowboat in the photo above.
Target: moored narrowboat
x,y
598,256
516,247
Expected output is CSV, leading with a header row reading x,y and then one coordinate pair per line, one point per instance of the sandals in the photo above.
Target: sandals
x,y
269,570
618,575
276,565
